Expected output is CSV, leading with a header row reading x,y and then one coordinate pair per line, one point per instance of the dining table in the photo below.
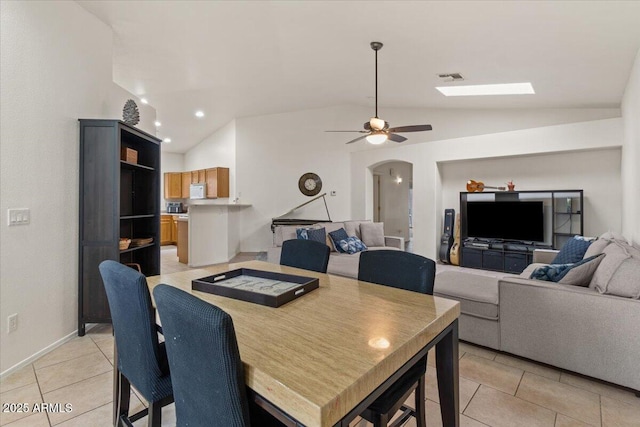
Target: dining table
x,y
322,358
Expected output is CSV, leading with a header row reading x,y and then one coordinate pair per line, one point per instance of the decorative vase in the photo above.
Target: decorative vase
x,y
130,113
511,186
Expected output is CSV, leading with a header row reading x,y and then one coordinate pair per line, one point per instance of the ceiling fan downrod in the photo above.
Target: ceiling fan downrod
x,y
376,46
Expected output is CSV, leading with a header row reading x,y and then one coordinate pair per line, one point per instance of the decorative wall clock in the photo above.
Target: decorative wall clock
x,y
310,184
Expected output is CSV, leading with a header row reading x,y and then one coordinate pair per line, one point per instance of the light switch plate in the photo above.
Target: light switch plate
x,y
19,216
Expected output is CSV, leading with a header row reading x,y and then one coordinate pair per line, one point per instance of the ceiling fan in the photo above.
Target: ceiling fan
x,y
377,130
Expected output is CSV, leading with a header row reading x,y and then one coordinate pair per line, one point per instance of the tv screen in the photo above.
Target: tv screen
x,y
521,221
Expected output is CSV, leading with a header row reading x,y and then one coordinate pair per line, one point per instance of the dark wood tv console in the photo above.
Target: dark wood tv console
x,y
563,216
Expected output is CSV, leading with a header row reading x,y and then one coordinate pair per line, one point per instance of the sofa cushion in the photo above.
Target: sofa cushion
x,y
372,233
478,295
576,274
353,227
284,232
596,247
351,245
336,237
572,251
619,271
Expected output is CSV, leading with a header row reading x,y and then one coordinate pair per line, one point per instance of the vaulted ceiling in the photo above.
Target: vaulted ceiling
x,y
242,58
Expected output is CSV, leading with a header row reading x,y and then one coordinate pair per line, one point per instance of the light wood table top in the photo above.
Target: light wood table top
x,y
320,355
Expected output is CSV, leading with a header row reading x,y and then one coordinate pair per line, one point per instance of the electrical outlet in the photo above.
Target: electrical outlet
x,y
12,323
19,216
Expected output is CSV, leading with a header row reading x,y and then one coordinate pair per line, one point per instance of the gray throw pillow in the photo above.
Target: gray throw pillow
x,y
372,233
619,272
576,274
581,274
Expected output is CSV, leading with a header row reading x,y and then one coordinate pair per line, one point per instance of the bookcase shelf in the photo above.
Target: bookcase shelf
x,y
118,199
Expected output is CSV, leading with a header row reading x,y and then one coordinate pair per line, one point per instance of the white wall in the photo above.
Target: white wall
x,y
394,197
218,149
169,162
55,68
631,156
597,172
427,187
273,151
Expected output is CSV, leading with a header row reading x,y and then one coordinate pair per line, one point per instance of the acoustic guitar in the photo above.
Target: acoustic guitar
x,y
478,186
454,254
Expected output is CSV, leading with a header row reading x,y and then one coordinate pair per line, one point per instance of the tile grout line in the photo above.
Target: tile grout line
x,y
469,402
78,382
40,391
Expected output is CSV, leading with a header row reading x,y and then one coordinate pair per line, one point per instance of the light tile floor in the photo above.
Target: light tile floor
x,y
495,389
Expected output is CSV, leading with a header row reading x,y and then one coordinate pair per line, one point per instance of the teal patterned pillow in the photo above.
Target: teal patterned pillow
x,y
351,245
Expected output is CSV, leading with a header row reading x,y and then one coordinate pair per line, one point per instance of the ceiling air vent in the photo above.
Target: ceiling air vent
x,y
451,77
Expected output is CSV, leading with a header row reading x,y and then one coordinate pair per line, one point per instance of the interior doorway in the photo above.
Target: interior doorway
x,y
393,198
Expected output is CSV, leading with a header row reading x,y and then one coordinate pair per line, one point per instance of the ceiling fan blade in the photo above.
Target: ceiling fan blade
x,y
359,131
396,138
416,128
357,139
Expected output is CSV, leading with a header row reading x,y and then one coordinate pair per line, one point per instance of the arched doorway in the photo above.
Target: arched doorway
x,y
393,198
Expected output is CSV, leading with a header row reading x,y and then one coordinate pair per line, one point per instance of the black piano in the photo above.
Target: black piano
x,y
286,218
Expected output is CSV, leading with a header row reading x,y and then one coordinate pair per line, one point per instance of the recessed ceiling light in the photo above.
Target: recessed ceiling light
x,y
167,140
199,113
498,89
144,100
157,123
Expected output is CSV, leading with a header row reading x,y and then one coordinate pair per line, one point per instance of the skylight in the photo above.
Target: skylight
x,y
497,89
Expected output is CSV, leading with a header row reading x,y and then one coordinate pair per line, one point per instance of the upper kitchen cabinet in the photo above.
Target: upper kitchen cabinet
x,y
186,184
119,199
173,185
217,180
198,177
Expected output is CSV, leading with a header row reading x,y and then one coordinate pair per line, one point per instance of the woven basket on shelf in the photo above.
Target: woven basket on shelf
x,y
124,243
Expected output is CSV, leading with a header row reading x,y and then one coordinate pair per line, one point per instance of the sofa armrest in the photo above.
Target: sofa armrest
x,y
544,256
394,242
572,328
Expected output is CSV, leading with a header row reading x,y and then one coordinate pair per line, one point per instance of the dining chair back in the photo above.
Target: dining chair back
x,y
415,273
141,359
305,254
208,378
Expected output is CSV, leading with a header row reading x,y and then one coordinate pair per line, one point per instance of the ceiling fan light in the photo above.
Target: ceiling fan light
x,y
376,123
376,138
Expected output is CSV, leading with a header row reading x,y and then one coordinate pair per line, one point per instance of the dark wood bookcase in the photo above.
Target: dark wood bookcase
x,y
118,199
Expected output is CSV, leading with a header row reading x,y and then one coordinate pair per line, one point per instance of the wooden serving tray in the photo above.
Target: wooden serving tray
x,y
259,287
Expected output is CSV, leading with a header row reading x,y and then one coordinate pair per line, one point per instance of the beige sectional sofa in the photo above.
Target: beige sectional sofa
x,y
592,330
339,263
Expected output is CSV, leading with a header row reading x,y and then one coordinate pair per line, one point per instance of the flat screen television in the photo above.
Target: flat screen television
x,y
508,220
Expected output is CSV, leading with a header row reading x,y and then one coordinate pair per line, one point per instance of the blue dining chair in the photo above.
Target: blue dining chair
x,y
415,273
305,254
141,358
207,373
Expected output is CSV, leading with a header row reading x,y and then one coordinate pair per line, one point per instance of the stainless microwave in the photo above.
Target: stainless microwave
x,y
198,191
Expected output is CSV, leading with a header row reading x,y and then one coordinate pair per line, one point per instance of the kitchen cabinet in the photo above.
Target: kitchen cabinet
x,y
173,185
217,180
174,229
198,176
166,224
118,199
186,184
183,240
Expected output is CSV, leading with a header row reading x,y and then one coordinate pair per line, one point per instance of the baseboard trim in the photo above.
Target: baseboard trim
x,y
39,354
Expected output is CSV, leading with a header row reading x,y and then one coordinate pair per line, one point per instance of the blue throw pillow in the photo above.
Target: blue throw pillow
x,y
302,233
337,236
572,251
317,235
352,244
